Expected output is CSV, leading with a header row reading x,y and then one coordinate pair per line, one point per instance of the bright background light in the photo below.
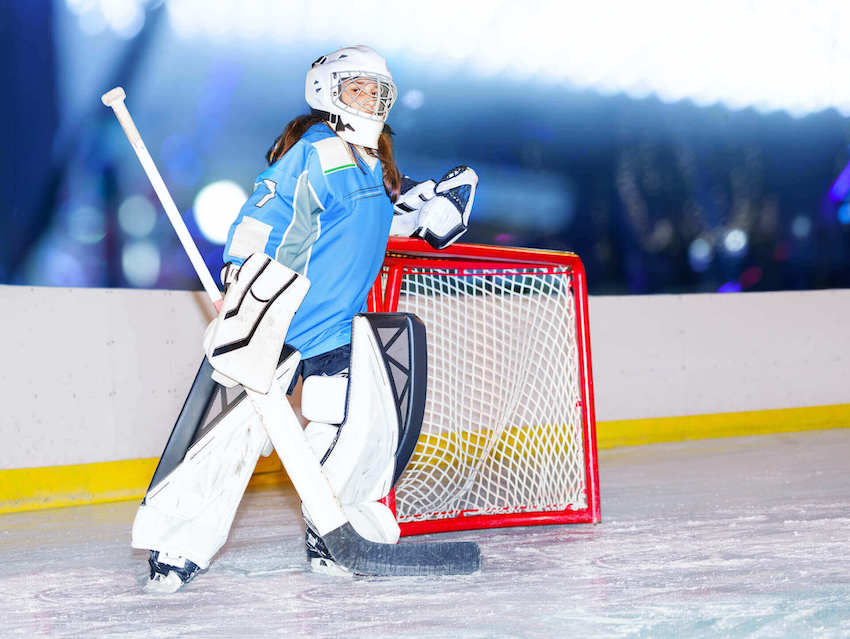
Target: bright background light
x,y
655,139
735,241
768,54
140,262
216,206
137,216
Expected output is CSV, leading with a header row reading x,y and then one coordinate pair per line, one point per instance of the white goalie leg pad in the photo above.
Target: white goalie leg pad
x,y
323,398
190,512
355,467
360,466
323,403
245,339
321,437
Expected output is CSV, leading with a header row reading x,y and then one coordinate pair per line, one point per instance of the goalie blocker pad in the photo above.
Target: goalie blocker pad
x,y
246,336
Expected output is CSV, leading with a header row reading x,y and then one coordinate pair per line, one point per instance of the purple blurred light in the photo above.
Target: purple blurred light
x,y
730,287
751,277
841,187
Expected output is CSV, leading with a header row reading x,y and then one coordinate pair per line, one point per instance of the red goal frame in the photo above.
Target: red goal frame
x,y
407,253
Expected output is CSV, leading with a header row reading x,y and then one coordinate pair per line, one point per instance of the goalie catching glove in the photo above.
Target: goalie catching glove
x,y
243,343
438,213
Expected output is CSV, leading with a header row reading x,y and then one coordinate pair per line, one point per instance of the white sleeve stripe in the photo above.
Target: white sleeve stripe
x,y
318,235
296,245
294,210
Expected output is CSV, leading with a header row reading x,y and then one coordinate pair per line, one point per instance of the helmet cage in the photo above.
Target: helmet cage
x,y
365,104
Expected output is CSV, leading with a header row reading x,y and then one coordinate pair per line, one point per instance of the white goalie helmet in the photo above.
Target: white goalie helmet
x,y
354,87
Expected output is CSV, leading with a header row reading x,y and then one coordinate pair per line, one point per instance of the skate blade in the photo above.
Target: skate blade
x,y
327,567
163,585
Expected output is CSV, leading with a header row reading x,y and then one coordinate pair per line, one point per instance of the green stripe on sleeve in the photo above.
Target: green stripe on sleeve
x,y
339,168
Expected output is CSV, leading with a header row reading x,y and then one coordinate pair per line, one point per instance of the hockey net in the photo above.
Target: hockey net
x,y
508,436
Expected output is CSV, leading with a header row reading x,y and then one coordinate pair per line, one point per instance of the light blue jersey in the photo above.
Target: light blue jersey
x,y
321,210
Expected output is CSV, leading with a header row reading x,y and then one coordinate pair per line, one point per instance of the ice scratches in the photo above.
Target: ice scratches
x,y
738,569
839,522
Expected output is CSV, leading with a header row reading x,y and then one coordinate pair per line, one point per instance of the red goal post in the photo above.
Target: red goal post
x,y
509,434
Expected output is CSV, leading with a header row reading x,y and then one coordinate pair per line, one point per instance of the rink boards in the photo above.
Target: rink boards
x,y
100,375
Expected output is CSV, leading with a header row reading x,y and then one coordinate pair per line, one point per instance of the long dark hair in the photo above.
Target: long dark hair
x,y
298,126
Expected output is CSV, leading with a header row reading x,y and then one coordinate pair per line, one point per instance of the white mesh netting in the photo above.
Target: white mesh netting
x,y
502,431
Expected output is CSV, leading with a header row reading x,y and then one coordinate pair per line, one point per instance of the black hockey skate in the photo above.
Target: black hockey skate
x,y
169,574
320,557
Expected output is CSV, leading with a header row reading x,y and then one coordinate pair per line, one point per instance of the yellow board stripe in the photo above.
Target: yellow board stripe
x,y
635,432
53,486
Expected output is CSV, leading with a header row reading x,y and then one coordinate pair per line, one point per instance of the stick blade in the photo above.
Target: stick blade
x,y
112,96
363,557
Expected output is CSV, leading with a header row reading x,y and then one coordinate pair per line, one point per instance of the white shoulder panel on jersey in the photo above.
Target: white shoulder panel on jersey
x,y
246,339
334,154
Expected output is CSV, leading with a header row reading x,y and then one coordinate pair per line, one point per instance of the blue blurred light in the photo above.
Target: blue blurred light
x,y
185,167
124,17
841,187
700,254
413,99
506,193
801,227
844,213
54,264
86,224
732,286
140,262
137,216
735,242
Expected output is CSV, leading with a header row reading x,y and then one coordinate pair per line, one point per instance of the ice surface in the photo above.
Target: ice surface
x,y
726,537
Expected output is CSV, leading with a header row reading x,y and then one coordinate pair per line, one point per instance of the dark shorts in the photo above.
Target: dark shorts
x,y
329,363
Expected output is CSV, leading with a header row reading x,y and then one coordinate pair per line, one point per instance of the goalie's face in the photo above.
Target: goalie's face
x,y
370,96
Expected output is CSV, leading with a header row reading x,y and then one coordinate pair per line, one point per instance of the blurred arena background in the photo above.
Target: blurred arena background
x,y
677,147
